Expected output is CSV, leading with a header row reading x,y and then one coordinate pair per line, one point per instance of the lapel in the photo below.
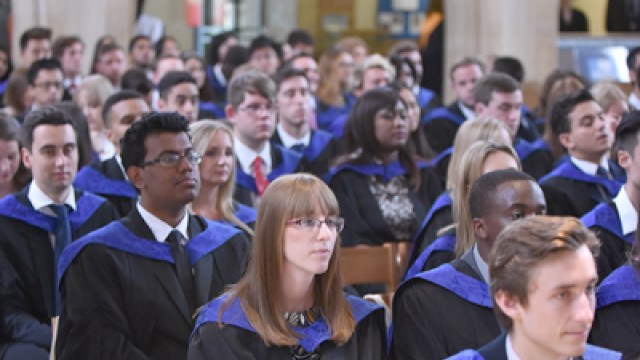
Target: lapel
x,y
496,349
164,273
203,267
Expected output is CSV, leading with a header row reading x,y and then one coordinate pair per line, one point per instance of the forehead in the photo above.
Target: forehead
x,y
506,97
129,107
254,98
467,71
565,268
304,62
49,134
49,74
111,55
583,109
517,192
185,88
294,81
32,43
142,42
74,46
166,141
376,72
168,64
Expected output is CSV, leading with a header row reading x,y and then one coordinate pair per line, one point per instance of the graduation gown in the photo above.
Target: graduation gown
x,y
284,161
364,222
322,149
535,157
27,276
427,100
439,252
440,126
107,180
326,114
122,298
570,192
238,340
438,217
617,321
497,350
605,222
440,312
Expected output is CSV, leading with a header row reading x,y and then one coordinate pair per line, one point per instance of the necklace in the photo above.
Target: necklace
x,y
303,318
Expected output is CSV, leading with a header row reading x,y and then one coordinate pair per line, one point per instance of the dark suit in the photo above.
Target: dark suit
x,y
28,279
122,298
322,150
107,180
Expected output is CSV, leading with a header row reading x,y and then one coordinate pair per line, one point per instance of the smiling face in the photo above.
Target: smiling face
x,y
556,318
53,158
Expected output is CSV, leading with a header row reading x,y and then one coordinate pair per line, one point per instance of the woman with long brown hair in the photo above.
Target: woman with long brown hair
x,y
290,303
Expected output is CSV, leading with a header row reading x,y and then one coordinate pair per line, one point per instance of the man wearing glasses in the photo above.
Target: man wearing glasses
x,y
251,110
45,79
130,289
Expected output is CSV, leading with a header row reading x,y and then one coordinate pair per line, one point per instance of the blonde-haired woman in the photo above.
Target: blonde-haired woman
x,y
214,140
440,214
90,96
480,158
290,303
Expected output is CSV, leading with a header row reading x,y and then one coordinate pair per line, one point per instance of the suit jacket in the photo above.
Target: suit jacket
x,y
106,179
283,161
27,278
322,150
122,298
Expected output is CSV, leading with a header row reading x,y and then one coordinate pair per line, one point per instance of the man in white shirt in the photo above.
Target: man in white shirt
x,y
69,50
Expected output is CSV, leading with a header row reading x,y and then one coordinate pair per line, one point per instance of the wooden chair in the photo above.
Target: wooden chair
x,y
375,264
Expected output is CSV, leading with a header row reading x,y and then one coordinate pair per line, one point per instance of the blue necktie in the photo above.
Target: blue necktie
x,y
62,233
299,147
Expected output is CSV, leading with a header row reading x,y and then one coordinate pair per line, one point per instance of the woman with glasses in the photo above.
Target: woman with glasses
x,y
214,140
290,303
383,190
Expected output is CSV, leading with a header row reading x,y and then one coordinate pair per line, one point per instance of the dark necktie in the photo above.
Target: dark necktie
x,y
62,233
603,173
261,179
183,267
299,147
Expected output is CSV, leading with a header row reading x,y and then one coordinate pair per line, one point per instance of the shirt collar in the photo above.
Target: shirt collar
x,y
41,201
467,112
217,72
159,228
246,156
482,265
588,167
511,354
119,162
288,140
626,212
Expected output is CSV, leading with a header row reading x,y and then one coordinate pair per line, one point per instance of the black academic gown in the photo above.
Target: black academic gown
x,y
28,276
440,126
437,218
322,149
122,298
238,340
441,312
497,350
364,222
570,192
617,321
605,222
107,180
284,161
535,157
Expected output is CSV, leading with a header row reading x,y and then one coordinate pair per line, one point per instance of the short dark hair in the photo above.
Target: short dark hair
x,y
466,61
63,42
115,98
42,64
483,191
299,36
133,149
398,61
135,39
83,138
631,57
253,82
492,83
509,65
286,73
560,122
172,79
627,132
160,43
136,79
402,46
48,115
34,33
524,244
215,43
107,48
159,58
263,41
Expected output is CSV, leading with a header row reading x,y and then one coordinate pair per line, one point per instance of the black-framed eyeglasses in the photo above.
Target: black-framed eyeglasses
x,y
335,223
49,84
173,159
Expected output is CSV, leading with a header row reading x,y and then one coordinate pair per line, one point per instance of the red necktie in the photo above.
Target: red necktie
x,y
261,179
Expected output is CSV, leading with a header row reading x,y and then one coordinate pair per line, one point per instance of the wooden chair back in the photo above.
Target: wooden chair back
x,y
374,264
